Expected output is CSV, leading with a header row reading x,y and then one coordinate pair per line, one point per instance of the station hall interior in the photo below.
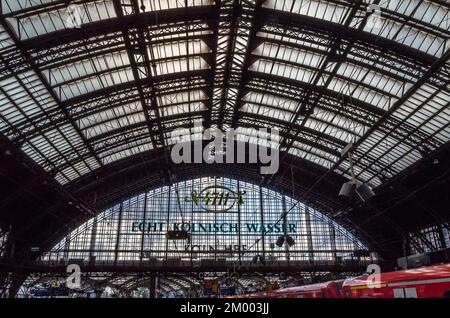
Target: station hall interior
x,y
224,148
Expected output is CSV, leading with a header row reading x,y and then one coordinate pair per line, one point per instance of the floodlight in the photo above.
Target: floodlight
x,y
364,192
348,190
280,241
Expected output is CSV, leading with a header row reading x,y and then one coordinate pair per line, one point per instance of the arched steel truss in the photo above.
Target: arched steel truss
x,y
325,73
82,101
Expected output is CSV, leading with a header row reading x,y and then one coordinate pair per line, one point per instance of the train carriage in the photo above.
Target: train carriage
x,y
424,282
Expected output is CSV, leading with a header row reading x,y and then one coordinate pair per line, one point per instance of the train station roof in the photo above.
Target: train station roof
x,y
92,89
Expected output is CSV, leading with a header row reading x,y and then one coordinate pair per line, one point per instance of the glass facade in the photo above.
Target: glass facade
x,y
226,219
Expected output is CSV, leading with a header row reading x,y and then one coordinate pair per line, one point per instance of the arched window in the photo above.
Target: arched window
x,y
226,219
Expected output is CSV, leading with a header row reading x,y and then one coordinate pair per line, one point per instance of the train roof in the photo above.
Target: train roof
x,y
427,272
304,288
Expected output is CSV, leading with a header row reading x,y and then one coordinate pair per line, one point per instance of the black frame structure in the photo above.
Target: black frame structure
x,y
90,91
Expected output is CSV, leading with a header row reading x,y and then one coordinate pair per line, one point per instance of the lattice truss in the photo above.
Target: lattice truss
x,y
84,85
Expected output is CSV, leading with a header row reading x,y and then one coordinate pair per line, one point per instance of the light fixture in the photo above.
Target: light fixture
x,y
364,192
285,238
348,190
289,240
280,241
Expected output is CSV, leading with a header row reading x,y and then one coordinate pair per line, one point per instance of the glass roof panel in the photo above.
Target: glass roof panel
x,y
179,48
83,68
410,36
423,18
284,70
184,108
361,93
109,114
261,136
307,155
68,102
114,124
127,150
339,133
57,17
182,97
325,10
371,78
315,43
266,111
157,5
179,65
288,54
392,23
93,83
17,5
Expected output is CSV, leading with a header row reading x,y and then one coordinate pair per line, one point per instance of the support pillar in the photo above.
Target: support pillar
x,y
309,235
261,209
10,284
5,282
152,286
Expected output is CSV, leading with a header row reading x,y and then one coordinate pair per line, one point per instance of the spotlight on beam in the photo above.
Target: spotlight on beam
x,y
290,241
364,192
351,187
348,190
280,241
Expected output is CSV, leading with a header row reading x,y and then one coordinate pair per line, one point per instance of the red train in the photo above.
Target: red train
x,y
424,282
